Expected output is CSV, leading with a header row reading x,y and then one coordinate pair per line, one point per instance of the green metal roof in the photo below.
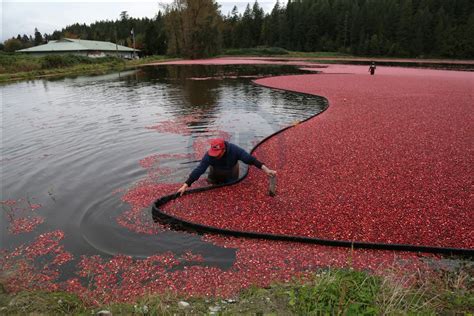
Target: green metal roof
x,y
70,44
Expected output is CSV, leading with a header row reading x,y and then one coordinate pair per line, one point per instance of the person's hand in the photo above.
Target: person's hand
x,y
269,172
182,189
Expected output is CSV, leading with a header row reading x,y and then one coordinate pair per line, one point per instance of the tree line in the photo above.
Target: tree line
x,y
149,34
197,28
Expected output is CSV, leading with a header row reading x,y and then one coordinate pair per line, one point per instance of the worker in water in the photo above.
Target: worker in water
x,y
222,158
372,68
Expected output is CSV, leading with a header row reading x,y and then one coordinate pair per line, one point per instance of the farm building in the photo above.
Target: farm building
x,y
81,47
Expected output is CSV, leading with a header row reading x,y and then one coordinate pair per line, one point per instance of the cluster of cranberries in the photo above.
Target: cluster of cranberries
x,y
19,215
388,162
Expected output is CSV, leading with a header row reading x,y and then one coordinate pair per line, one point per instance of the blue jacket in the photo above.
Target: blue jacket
x,y
232,155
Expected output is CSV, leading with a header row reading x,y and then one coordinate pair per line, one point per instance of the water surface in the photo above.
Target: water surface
x,y
72,144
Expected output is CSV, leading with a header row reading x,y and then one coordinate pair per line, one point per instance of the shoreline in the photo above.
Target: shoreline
x,y
78,70
236,60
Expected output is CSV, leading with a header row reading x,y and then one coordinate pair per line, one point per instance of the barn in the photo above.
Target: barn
x,y
88,48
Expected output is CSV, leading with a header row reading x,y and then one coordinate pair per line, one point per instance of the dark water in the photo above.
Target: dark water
x,y
70,144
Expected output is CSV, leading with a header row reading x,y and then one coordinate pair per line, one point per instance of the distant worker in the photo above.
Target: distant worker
x,y
222,158
372,69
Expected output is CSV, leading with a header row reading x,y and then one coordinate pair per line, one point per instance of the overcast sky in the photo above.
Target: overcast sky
x,y
21,17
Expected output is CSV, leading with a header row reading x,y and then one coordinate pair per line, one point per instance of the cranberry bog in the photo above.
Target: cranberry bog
x,y
389,161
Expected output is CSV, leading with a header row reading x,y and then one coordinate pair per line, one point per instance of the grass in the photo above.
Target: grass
x,y
338,292
44,303
320,55
148,59
19,67
327,292
265,51
256,51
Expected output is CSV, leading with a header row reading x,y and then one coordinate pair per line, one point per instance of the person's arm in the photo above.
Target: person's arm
x,y
195,174
247,158
251,160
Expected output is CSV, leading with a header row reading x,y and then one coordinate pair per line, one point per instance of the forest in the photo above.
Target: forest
x,y
197,28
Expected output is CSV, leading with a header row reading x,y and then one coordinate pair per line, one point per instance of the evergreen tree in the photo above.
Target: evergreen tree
x,y
313,33
229,33
442,25
247,39
154,40
341,9
284,38
124,16
374,45
355,27
405,28
235,29
299,28
422,36
38,37
26,41
271,26
257,23
468,36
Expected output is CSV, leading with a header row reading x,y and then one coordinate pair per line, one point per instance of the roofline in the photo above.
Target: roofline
x,y
78,50
84,49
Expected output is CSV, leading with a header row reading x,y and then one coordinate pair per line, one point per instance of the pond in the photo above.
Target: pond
x,y
72,147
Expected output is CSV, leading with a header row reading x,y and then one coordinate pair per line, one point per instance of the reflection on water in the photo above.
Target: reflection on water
x,y
75,145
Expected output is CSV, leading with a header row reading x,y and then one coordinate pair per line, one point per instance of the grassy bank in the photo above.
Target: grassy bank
x,y
257,51
264,51
345,292
19,67
336,57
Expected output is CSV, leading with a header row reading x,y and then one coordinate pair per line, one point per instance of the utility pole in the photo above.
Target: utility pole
x,y
133,39
116,43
